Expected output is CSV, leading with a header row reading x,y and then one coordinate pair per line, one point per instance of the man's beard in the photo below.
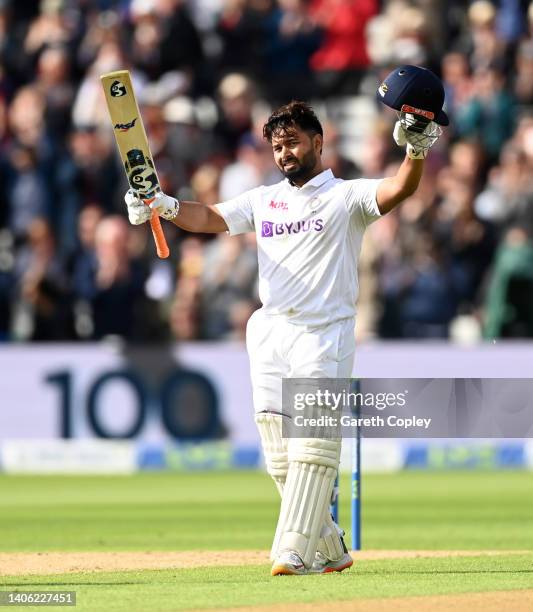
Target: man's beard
x,y
303,169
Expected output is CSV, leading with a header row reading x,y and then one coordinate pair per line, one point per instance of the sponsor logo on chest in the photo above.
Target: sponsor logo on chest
x,y
269,229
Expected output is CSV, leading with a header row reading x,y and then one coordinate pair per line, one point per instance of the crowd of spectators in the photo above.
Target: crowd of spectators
x,y
456,259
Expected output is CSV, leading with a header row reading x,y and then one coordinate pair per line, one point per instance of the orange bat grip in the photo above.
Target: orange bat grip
x,y
159,237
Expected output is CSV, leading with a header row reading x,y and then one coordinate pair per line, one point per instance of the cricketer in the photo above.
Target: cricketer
x,y
308,251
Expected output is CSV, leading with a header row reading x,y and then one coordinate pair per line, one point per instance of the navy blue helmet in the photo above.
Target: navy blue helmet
x,y
414,90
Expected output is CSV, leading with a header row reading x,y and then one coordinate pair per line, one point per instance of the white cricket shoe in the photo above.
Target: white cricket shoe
x,y
288,563
323,565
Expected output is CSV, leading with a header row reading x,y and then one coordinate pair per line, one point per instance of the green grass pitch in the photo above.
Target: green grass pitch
x,y
484,510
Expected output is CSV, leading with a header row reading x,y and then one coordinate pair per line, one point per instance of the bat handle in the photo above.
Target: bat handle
x,y
157,231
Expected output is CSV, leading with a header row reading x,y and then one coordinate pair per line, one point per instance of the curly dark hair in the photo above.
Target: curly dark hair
x,y
295,113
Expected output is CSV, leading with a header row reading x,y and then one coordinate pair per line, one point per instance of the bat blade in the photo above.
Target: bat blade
x,y
132,144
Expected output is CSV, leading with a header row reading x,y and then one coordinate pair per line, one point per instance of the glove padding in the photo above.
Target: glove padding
x,y
417,145
138,212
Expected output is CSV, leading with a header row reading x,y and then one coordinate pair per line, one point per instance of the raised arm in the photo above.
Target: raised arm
x,y
394,189
190,216
203,218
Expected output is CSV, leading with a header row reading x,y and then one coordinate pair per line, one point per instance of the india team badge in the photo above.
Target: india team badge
x,y
314,203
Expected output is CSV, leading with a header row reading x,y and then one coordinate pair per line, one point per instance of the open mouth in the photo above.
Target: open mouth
x,y
290,163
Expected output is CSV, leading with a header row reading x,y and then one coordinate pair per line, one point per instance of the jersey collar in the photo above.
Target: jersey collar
x,y
316,181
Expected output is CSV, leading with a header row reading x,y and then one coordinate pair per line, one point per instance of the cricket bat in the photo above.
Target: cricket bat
x,y
133,145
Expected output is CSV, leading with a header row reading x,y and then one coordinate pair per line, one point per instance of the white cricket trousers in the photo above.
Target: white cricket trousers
x,y
280,349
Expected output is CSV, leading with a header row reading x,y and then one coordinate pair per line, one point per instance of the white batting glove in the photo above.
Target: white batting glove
x,y
420,145
165,206
139,212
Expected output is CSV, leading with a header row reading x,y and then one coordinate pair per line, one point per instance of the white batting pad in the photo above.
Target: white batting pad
x,y
274,446
313,465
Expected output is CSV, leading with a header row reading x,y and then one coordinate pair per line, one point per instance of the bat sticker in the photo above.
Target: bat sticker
x,y
124,127
117,89
141,173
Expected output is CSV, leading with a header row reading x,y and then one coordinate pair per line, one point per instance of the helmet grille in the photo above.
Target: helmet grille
x,y
423,132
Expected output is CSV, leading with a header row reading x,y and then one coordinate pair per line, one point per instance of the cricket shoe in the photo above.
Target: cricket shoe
x,y
288,563
323,565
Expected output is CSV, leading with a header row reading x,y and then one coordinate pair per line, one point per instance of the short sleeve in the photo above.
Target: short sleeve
x,y
361,199
238,213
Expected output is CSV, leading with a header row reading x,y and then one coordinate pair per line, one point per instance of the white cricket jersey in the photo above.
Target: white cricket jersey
x,y
308,243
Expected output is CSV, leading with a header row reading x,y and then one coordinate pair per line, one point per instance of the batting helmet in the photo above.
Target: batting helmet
x,y
416,90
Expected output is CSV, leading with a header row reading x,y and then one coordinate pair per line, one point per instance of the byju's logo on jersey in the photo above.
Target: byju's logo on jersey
x,y
267,229
270,229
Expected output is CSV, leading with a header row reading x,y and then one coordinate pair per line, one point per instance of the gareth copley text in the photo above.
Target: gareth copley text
x,y
374,421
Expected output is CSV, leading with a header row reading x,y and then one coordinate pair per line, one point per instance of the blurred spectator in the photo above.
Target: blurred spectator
x,y
171,172
53,71
205,13
457,81
88,173
27,116
407,34
468,240
467,162
228,278
44,306
429,301
164,38
54,26
291,38
185,315
510,21
115,288
409,45
241,175
485,47
89,104
375,150
523,80
205,184
83,261
236,97
28,192
240,31
249,169
489,116
510,298
332,157
29,162
102,29
342,57
189,143
12,70
508,196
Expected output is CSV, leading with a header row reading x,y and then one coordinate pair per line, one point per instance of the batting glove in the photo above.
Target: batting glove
x,y
165,206
139,212
416,145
